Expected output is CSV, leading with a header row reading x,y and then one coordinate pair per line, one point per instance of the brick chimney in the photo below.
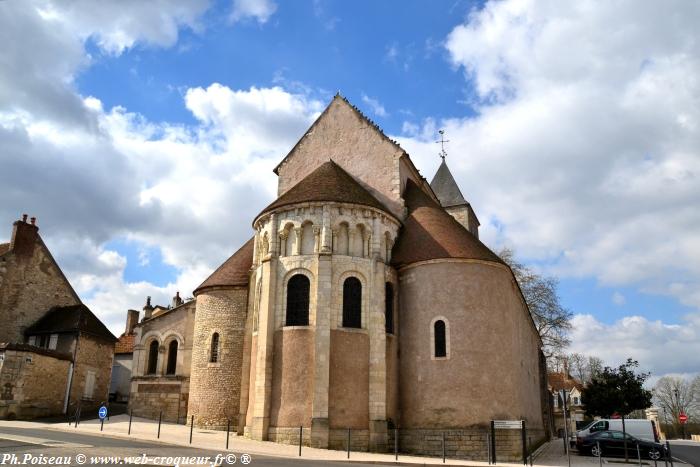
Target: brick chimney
x,y
24,236
147,309
177,301
132,318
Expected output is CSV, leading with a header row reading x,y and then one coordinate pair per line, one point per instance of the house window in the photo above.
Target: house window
x,y
53,341
172,358
298,301
576,401
152,358
352,303
89,385
440,334
214,352
555,401
389,307
32,340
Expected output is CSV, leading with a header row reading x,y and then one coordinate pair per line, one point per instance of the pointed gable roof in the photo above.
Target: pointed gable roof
x,y
329,182
445,187
71,319
234,271
429,232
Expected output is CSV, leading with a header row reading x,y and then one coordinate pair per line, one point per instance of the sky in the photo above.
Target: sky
x,y
143,135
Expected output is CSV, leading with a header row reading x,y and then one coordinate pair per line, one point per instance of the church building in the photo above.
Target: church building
x,y
363,300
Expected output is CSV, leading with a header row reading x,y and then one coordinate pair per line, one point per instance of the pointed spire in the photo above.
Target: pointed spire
x,y
445,187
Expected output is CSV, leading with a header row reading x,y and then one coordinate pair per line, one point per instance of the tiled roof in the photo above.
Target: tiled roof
x,y
558,381
234,271
429,232
125,344
70,319
329,182
445,187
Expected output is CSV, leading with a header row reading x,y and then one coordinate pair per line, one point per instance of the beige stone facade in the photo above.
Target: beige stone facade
x,y
318,327
160,389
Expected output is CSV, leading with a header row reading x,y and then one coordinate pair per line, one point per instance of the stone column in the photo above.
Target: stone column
x,y
263,362
317,239
283,242
377,361
376,238
297,240
319,406
326,233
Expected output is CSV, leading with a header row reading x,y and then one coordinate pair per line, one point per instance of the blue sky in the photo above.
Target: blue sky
x,y
574,132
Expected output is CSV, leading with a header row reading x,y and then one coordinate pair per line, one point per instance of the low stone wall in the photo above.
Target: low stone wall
x,y
468,443
338,439
24,392
153,397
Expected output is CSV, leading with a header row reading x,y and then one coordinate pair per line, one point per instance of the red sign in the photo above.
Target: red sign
x,y
682,417
616,416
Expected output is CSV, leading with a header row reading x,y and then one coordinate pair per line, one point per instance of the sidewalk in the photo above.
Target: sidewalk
x,y
551,454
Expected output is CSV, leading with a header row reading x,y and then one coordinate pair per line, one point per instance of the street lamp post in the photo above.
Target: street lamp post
x,y
678,412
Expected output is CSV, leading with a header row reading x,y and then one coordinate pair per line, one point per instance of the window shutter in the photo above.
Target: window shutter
x,y
89,385
53,341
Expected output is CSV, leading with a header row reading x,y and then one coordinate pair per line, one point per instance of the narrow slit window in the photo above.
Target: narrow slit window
x,y
214,353
389,307
440,339
172,358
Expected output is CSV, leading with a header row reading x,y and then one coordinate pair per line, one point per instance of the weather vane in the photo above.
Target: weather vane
x,y
442,142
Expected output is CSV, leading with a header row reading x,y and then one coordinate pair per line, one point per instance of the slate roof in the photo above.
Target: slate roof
x,y
125,344
429,232
70,319
329,182
445,187
234,271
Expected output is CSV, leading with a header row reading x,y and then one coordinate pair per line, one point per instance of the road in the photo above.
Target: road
x,y
686,452
48,443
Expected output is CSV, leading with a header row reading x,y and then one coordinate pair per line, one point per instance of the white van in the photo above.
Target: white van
x,y
639,428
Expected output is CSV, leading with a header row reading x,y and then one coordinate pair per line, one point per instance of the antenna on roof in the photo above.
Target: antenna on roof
x,y
442,142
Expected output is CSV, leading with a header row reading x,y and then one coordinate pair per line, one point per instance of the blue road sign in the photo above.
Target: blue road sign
x,y
102,412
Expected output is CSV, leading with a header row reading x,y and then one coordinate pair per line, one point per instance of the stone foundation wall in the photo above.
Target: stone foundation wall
x,y
338,439
468,443
287,435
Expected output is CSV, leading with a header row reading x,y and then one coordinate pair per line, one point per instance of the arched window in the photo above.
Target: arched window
x,y
389,307
172,358
214,352
440,339
152,358
298,301
352,303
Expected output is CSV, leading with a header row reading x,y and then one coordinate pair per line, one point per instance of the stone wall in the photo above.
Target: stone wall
x,y
96,356
24,392
492,368
156,396
215,387
292,377
30,283
359,148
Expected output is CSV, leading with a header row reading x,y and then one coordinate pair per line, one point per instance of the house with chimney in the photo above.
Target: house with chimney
x,y
55,353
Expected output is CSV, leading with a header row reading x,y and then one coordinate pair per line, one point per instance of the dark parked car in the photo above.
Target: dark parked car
x,y
612,443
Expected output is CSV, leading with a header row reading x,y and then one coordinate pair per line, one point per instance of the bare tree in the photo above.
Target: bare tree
x,y
675,395
551,319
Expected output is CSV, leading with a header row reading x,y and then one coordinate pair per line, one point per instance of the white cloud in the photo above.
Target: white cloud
x,y
376,106
93,175
260,10
585,151
659,347
618,299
